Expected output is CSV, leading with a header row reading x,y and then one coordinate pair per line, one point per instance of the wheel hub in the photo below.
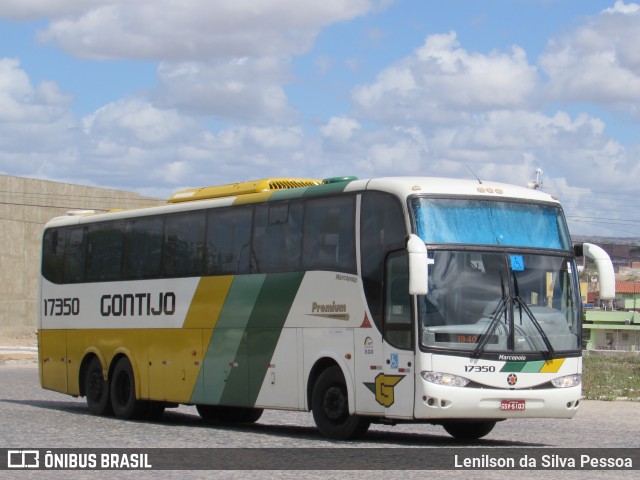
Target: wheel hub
x,y
335,403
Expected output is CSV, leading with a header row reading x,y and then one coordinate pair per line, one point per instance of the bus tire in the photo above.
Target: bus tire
x,y
240,414
330,407
469,430
252,415
96,389
123,393
209,413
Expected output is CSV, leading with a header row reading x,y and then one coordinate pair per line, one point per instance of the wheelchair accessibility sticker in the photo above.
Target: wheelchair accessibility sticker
x,y
393,361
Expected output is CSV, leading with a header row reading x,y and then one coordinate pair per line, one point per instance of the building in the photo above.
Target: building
x,y
612,330
615,329
25,206
628,295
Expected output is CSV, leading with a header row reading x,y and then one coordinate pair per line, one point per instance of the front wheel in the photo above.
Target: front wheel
x,y
123,393
330,406
469,430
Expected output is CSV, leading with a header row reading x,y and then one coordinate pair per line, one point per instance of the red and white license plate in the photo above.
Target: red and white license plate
x,y
513,405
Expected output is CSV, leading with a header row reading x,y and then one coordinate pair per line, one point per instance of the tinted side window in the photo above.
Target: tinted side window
x,y
53,247
104,251
75,256
228,246
329,234
277,237
183,253
143,246
382,230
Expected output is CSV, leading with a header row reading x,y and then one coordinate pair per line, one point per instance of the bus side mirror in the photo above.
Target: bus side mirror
x,y
418,266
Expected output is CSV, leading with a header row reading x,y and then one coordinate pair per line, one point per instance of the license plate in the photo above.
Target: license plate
x,y
512,405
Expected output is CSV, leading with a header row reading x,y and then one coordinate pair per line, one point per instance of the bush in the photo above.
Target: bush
x,y
611,376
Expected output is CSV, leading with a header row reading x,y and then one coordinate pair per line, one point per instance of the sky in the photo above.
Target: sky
x,y
154,96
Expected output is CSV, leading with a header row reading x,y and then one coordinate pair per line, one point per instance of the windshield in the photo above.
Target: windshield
x,y
490,222
484,301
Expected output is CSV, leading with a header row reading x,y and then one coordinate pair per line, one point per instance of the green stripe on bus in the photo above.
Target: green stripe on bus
x,y
263,331
513,366
266,323
228,342
523,367
288,194
326,189
533,367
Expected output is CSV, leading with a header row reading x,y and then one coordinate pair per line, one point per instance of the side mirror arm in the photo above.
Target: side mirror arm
x,y
419,263
606,275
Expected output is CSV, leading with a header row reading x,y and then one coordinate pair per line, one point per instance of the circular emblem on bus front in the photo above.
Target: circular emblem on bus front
x,y
512,379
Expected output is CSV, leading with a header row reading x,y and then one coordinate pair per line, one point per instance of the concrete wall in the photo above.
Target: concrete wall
x,y
25,206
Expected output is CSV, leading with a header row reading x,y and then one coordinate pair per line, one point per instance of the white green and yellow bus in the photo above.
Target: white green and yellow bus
x,y
388,300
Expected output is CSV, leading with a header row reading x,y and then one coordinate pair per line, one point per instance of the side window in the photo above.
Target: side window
x,y
397,308
382,230
63,257
183,253
277,237
53,247
143,247
104,251
329,234
228,245
75,256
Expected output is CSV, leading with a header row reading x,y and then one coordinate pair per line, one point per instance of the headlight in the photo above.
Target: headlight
x,y
444,379
568,381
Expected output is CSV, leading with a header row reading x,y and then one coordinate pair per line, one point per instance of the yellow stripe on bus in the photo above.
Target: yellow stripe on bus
x,y
207,302
552,366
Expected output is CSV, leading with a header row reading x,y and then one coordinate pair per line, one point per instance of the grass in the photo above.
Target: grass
x,y
611,376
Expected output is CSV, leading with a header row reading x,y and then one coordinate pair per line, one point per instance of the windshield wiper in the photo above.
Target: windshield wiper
x,y
501,309
522,305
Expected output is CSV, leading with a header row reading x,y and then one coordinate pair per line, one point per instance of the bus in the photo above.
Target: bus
x,y
389,300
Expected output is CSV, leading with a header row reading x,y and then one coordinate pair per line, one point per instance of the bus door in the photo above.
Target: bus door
x,y
395,388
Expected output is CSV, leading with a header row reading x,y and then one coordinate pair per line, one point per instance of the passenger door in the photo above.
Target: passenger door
x,y
395,388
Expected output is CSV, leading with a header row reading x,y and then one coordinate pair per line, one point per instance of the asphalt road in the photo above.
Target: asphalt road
x,y
31,417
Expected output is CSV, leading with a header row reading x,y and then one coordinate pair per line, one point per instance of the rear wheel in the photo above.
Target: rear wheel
x,y
252,415
123,393
97,389
469,430
330,406
209,413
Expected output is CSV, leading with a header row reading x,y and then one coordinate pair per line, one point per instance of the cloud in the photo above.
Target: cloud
x,y
134,144
441,82
36,9
220,111
184,30
339,129
598,62
138,122
20,101
32,117
244,88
